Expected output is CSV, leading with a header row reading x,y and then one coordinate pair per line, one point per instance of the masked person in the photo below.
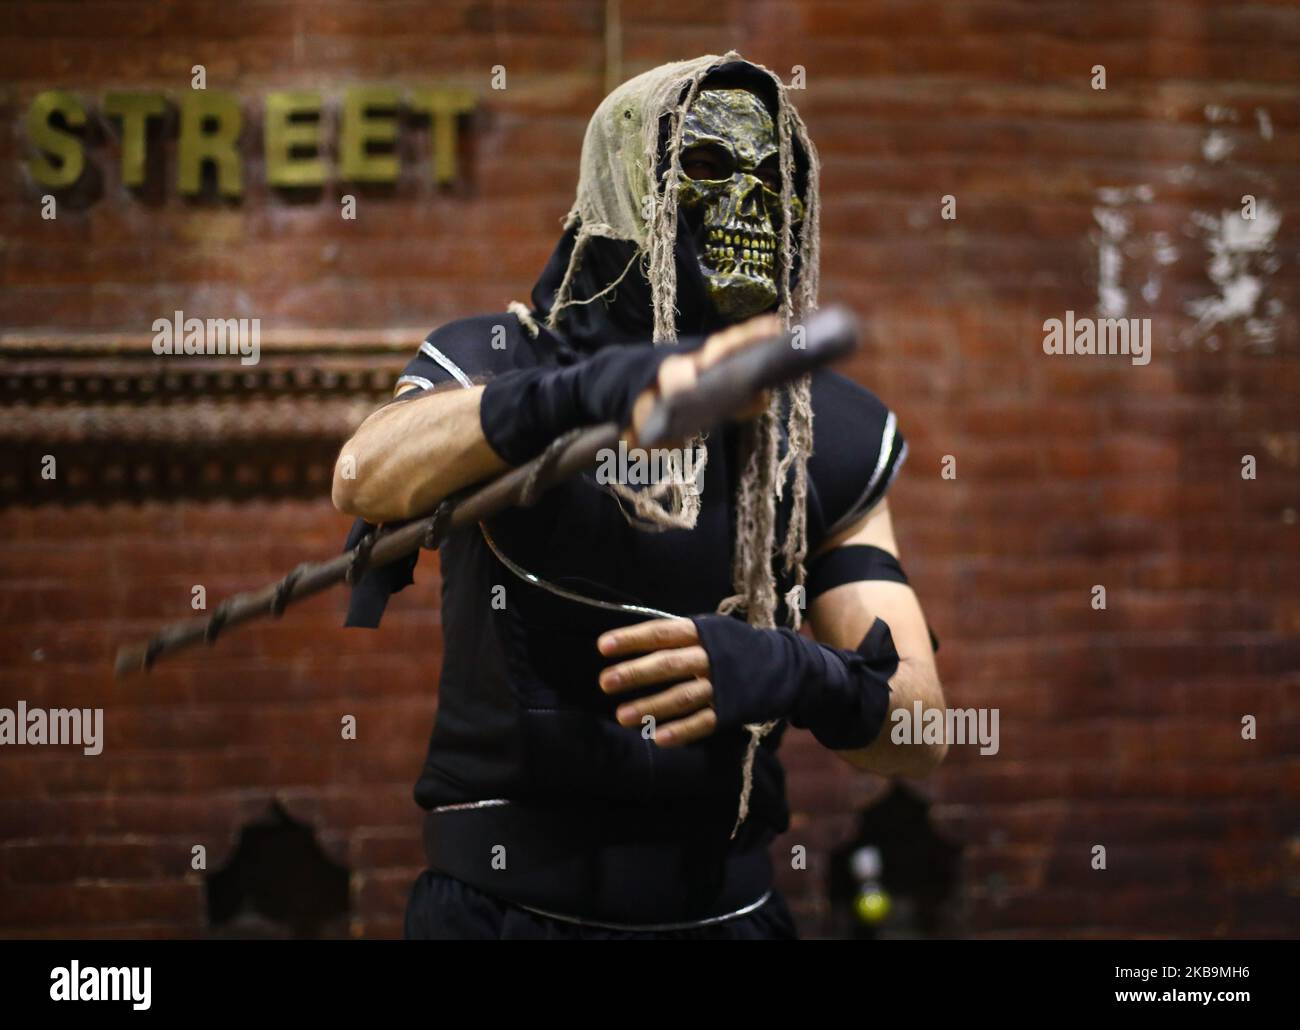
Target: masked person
x,y
621,659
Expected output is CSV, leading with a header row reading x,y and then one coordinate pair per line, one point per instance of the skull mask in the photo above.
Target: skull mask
x,y
730,192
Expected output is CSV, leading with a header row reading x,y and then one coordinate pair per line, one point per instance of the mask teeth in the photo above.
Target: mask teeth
x,y
750,253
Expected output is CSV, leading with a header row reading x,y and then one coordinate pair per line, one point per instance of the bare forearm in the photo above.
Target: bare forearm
x,y
407,457
915,680
840,618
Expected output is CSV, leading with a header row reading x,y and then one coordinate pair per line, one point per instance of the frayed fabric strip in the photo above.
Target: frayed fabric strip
x,y
525,316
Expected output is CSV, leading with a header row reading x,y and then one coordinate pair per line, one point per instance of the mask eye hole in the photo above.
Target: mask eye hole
x,y
708,162
769,174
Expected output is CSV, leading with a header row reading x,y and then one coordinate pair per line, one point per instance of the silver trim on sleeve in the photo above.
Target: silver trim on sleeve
x,y
420,381
893,473
430,351
886,448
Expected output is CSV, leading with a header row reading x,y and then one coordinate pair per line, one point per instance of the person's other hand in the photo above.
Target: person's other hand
x,y
670,653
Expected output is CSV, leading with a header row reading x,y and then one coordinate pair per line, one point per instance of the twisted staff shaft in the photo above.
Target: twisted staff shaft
x,y
567,456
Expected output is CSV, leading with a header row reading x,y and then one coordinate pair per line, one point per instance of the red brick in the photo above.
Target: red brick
x,y
1121,727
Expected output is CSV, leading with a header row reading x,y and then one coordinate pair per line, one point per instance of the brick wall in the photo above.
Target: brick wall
x,y
1119,727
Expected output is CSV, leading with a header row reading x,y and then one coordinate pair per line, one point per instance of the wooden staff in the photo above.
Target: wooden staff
x,y
720,390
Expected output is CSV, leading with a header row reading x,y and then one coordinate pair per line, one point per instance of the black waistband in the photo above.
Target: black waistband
x,y
615,865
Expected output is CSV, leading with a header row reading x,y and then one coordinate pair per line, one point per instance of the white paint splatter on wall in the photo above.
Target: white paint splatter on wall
x,y
1240,250
1240,261
1265,123
1112,302
1217,144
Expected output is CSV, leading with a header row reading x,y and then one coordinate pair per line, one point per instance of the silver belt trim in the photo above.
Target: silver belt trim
x,y
650,927
466,806
630,927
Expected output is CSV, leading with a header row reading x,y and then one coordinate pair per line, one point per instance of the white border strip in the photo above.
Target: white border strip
x,y
652,927
420,381
893,474
519,570
465,806
886,448
450,366
569,595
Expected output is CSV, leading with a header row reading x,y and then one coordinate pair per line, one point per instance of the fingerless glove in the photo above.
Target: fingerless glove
x,y
841,696
523,410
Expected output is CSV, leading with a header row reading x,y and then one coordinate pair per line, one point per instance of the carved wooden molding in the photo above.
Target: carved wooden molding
x,y
121,422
